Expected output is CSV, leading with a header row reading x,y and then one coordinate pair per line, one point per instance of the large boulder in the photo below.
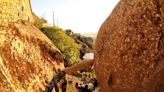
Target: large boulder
x,y
129,51
28,59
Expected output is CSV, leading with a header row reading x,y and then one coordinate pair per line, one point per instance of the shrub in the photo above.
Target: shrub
x,y
67,45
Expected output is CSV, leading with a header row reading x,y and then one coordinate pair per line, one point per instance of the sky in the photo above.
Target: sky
x,y
81,16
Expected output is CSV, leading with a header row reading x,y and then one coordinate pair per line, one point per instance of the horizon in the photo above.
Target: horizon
x,y
81,16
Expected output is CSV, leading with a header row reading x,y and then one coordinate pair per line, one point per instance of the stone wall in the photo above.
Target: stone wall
x,y
14,10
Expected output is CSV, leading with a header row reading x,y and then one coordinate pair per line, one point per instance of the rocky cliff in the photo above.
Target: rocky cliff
x,y
28,59
14,10
129,51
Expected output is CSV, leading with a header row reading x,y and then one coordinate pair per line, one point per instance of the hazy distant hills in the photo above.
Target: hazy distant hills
x,y
92,35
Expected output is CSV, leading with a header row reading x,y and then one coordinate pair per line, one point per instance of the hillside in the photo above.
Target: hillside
x,y
69,48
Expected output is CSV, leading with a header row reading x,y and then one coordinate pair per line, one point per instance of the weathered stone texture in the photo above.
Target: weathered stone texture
x,y
129,51
28,59
14,10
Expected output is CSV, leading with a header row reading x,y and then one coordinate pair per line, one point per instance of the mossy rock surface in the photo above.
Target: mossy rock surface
x,y
129,50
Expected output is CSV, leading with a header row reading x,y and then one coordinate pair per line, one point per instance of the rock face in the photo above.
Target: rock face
x,y
13,10
129,51
28,59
